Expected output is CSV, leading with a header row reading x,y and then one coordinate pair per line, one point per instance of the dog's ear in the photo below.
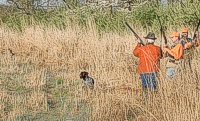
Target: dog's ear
x,y
81,75
86,73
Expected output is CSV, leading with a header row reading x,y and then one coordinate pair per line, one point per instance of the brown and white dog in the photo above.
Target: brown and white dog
x,y
87,81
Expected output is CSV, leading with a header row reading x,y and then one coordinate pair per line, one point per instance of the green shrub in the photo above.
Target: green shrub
x,y
174,14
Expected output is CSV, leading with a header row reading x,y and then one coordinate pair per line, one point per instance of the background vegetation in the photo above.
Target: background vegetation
x,y
173,15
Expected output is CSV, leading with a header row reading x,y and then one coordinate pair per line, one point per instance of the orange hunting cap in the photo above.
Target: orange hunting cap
x,y
174,34
184,30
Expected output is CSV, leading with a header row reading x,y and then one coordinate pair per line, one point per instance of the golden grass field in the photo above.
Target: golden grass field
x,y
40,81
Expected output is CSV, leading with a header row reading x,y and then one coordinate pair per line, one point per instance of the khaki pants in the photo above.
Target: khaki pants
x,y
173,68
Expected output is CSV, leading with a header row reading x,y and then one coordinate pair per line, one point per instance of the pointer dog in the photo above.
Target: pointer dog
x,y
88,81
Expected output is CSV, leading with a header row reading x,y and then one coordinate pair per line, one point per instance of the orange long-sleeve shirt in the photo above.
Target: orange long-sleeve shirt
x,y
149,58
177,52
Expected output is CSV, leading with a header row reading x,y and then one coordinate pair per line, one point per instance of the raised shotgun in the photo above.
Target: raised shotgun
x,y
196,30
162,31
135,34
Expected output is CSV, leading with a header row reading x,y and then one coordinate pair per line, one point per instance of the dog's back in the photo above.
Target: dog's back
x,y
89,82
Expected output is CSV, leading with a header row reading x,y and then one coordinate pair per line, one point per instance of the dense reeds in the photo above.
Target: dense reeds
x,y
40,77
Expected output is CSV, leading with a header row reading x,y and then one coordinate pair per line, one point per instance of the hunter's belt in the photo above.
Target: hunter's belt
x,y
187,49
174,61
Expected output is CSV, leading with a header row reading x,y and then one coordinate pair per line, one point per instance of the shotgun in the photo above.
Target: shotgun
x,y
135,34
196,30
162,30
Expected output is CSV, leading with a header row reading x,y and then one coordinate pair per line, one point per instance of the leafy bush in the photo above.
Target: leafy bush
x,y
174,15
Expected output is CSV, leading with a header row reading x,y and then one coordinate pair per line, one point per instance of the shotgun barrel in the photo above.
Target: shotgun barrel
x,y
162,31
135,33
196,30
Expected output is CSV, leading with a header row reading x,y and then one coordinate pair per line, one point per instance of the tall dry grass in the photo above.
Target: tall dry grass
x,y
43,55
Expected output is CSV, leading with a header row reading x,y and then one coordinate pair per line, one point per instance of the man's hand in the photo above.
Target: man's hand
x,y
165,50
197,33
166,46
165,54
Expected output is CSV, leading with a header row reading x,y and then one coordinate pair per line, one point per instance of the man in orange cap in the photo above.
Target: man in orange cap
x,y
185,41
149,61
175,54
188,45
188,42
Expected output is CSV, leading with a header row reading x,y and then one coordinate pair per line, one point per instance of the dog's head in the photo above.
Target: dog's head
x,y
83,74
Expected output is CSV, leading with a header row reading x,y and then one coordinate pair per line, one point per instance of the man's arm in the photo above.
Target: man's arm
x,y
197,43
188,45
176,52
136,51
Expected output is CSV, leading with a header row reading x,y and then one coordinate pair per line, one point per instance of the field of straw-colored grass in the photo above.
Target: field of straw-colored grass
x,y
40,81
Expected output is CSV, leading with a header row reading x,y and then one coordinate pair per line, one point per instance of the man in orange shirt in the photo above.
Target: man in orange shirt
x,y
175,54
149,61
